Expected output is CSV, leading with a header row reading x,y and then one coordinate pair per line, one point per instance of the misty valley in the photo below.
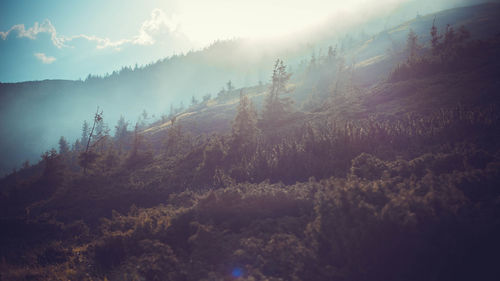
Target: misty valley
x,y
365,150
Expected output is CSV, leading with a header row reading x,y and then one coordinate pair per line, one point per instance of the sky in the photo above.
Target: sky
x,y
69,39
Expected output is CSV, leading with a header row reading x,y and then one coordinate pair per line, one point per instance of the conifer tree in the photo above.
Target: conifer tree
x,y
276,107
85,133
244,131
230,86
213,158
412,46
194,101
88,157
121,132
53,172
175,139
121,129
63,146
332,54
137,141
449,42
435,39
77,146
171,112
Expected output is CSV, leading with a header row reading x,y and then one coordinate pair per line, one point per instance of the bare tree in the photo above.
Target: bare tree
x,y
88,156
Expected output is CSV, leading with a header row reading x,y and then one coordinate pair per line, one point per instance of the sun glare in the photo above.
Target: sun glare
x,y
205,20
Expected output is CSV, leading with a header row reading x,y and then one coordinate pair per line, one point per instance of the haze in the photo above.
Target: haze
x,y
69,40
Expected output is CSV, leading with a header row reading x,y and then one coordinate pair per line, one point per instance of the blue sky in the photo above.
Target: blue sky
x,y
70,39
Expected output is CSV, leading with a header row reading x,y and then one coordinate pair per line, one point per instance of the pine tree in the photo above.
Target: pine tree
x,y
145,115
101,130
332,54
63,146
412,46
53,172
77,146
121,132
449,41
230,86
244,131
171,112
121,129
213,158
276,107
139,153
100,134
312,62
206,98
435,39
88,157
85,132
194,101
137,141
175,142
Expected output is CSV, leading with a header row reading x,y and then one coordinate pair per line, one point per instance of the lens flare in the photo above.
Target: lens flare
x,y
237,272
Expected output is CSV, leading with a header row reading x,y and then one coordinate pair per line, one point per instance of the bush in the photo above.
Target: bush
x,y
368,166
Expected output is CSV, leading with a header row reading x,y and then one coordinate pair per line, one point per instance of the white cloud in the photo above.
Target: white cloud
x,y
32,32
44,58
102,43
158,24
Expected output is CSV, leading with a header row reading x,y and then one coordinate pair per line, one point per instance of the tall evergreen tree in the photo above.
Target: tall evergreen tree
x,y
63,146
85,133
171,112
88,157
276,107
194,101
121,132
137,141
53,172
332,54
230,86
435,39
449,41
121,129
244,131
412,46
77,146
177,141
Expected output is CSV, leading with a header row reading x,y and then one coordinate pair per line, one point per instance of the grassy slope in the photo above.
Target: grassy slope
x,y
372,95
432,217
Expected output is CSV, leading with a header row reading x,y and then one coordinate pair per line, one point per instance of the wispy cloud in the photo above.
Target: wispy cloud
x,y
44,58
158,23
101,43
32,32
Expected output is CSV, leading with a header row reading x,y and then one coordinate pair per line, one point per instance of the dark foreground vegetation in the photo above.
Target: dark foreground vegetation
x,y
406,189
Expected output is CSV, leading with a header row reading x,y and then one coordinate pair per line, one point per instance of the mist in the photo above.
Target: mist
x,y
36,114
236,140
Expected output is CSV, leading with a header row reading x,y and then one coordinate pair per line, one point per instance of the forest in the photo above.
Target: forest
x,y
309,175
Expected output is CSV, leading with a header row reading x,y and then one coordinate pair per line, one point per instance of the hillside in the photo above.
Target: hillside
x,y
60,107
361,164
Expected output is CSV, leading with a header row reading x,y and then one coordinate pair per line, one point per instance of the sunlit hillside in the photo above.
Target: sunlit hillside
x,y
347,156
168,86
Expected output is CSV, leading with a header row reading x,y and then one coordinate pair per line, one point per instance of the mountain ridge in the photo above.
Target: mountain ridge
x,y
128,92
